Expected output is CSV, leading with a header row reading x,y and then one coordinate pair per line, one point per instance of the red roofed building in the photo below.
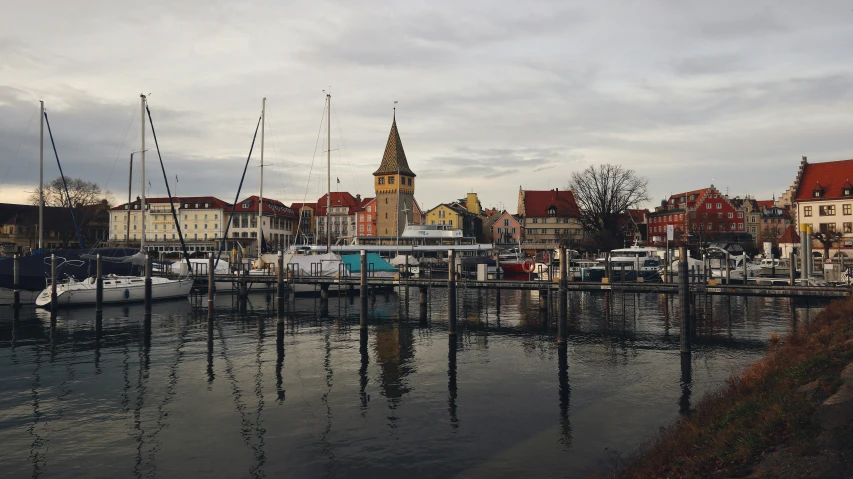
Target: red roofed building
x,y
277,224
549,216
824,199
342,215
366,221
706,213
634,226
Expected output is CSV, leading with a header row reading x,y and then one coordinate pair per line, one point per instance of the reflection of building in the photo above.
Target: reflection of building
x,y
394,348
394,184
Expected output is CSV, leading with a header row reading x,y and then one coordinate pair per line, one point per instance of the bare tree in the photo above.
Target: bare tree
x,y
827,239
81,192
603,193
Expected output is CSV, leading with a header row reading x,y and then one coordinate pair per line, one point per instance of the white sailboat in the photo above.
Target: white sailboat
x,y
119,289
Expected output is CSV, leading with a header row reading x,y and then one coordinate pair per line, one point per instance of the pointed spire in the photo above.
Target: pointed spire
x,y
394,158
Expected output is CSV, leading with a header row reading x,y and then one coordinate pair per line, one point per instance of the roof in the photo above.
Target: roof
x,y
455,207
339,199
830,176
766,204
696,194
273,207
498,217
298,206
394,158
537,203
215,203
639,216
365,202
790,235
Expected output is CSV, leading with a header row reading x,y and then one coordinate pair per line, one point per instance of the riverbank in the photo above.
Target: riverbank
x,y
789,414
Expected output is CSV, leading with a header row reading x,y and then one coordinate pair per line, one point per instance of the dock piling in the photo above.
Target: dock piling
x,y
279,285
451,291
363,290
16,300
684,299
147,283
53,283
422,302
562,321
99,284
792,265
211,284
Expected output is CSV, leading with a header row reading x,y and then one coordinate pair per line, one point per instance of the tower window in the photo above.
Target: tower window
x,y
381,180
410,183
386,201
390,180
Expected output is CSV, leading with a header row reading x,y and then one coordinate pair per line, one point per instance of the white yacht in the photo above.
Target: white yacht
x,y
117,289
736,268
776,267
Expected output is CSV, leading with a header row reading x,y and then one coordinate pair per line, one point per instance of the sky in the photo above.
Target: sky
x,y
492,96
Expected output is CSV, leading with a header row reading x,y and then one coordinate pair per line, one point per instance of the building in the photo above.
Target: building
x,y
453,216
633,226
699,215
201,218
490,216
394,184
277,225
342,216
506,229
824,200
19,227
305,227
366,221
550,216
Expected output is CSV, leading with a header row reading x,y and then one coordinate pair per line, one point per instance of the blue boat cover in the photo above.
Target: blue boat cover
x,y
374,263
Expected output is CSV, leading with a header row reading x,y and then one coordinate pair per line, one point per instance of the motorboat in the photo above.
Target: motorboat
x,y
736,269
635,261
775,267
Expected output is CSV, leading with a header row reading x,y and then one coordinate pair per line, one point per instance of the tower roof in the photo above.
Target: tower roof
x,y
394,158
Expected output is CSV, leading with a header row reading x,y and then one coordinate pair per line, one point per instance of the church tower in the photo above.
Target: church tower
x,y
394,184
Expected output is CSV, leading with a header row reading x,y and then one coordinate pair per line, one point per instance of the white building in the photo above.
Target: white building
x,y
824,200
201,219
278,223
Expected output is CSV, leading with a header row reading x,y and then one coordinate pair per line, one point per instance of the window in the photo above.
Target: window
x,y
390,180
381,180
731,215
450,222
410,182
846,209
827,210
552,211
732,226
807,210
740,226
245,207
719,206
827,228
506,222
848,227
535,220
386,201
709,205
818,193
513,230
740,214
846,191
195,226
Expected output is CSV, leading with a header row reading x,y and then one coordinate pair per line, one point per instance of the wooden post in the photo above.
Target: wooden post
x,y
211,283
147,283
422,301
451,291
363,290
498,268
279,285
793,265
563,319
99,284
684,299
53,282
16,300
637,270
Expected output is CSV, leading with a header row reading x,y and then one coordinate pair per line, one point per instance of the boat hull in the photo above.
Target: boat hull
x,y
7,296
115,291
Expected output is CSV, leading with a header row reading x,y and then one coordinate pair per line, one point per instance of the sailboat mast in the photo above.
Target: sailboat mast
x,y
142,165
41,175
329,173
129,188
261,189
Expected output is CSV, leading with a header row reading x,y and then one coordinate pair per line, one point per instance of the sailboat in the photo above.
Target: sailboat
x,y
119,289
34,269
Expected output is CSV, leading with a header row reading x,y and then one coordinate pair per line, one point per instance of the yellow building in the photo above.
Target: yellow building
x,y
394,184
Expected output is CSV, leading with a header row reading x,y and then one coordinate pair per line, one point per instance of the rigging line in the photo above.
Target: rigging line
x,y
168,192
237,196
115,161
346,150
62,175
308,182
18,150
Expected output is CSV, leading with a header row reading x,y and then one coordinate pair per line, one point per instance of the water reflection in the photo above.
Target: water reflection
x,y
279,360
565,392
362,371
451,381
686,383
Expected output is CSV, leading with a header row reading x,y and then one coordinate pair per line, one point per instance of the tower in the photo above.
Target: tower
x,y
394,184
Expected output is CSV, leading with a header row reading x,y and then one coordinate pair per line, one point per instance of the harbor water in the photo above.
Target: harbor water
x,y
243,394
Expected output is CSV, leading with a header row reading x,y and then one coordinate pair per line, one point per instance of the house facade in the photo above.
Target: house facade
x,y
453,216
824,200
549,216
697,216
342,216
304,233
506,229
366,221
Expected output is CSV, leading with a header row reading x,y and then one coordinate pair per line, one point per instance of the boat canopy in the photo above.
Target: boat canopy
x,y
374,263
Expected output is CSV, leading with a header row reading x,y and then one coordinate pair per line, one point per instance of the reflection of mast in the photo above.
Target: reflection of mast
x,y
36,456
260,456
324,441
565,395
451,381
279,360
362,371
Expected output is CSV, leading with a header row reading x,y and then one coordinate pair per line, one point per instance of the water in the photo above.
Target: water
x,y
244,398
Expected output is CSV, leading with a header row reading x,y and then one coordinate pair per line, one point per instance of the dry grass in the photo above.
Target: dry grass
x,y
755,413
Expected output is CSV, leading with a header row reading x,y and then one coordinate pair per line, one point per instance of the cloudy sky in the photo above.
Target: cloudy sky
x,y
492,95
